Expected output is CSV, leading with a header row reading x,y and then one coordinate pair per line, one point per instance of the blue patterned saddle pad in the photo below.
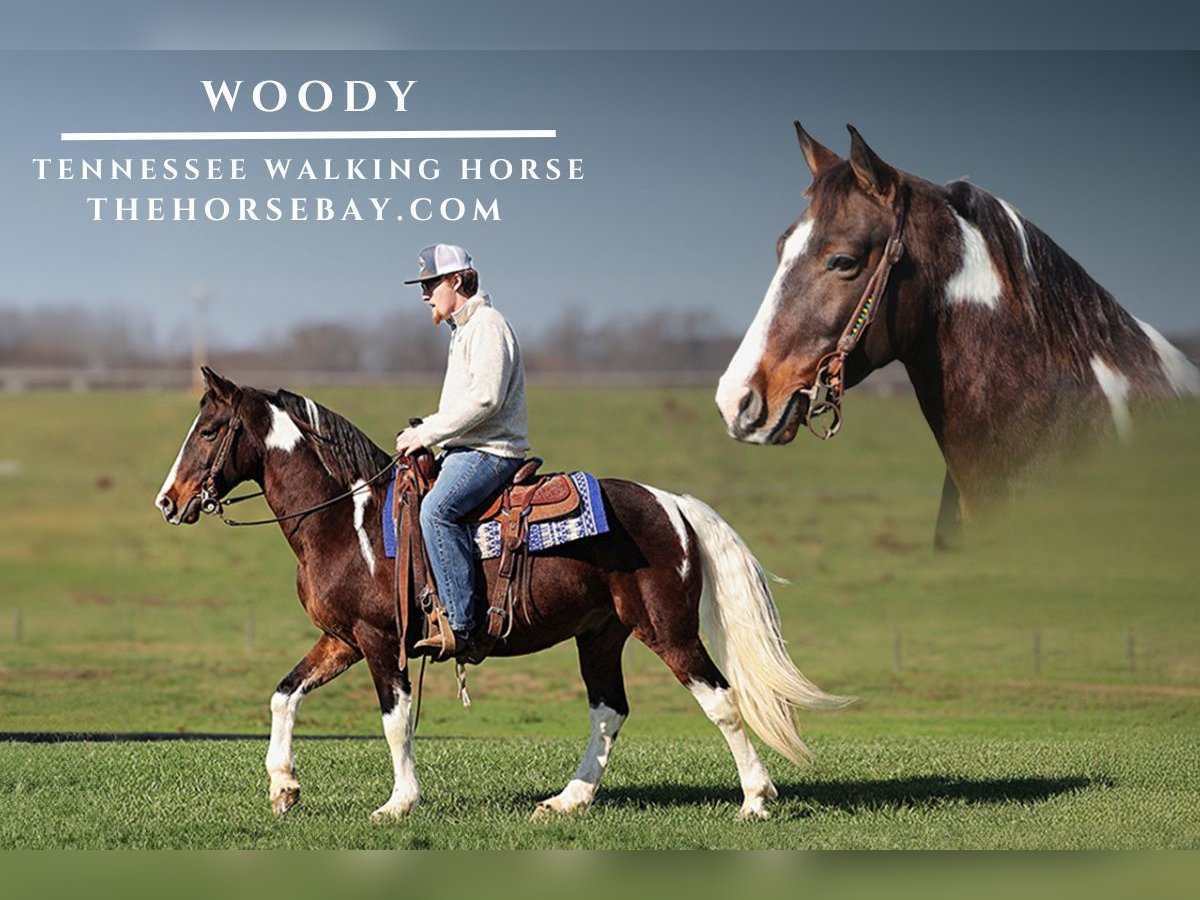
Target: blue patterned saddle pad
x,y
586,521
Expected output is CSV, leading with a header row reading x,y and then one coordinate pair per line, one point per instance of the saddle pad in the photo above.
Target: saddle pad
x,y
588,520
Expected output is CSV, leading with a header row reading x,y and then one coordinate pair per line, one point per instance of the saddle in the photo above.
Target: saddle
x,y
527,499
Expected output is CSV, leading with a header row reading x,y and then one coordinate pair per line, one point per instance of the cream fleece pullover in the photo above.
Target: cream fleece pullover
x,y
483,395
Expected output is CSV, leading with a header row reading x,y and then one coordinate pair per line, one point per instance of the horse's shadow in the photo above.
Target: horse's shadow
x,y
802,798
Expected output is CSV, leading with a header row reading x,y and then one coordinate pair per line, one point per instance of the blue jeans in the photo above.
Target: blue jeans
x,y
468,477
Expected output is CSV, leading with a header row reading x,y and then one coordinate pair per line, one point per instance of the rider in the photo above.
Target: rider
x,y
480,423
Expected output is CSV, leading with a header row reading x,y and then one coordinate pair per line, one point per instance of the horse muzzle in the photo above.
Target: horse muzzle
x,y
189,515
752,422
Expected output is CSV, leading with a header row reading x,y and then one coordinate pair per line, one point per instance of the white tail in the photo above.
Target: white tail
x,y
741,623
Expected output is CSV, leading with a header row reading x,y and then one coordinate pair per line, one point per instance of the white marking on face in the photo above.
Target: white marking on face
x,y
314,414
667,502
362,496
1019,228
1183,377
1116,388
284,435
736,380
976,280
170,479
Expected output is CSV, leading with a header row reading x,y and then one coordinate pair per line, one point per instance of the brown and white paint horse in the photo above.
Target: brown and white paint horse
x,y
669,565
1015,352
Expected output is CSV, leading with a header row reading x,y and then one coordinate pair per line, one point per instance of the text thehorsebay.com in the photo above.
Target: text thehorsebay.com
x,y
155,188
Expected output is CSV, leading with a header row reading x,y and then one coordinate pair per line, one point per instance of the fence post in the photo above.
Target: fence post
x,y
1037,652
896,651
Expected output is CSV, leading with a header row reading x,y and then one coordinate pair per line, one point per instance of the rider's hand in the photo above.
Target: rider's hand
x,y
408,442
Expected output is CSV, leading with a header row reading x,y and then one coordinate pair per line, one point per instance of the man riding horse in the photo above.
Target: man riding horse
x,y
481,425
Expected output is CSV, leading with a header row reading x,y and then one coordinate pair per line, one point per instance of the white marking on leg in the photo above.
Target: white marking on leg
x,y
284,435
397,728
667,502
1178,369
1019,228
281,766
976,280
721,708
362,496
169,481
581,789
1116,388
736,380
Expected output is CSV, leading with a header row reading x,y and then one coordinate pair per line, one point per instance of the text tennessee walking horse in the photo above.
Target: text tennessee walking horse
x,y
668,564
1015,353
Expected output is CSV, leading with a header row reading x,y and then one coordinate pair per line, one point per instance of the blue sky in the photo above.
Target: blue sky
x,y
690,165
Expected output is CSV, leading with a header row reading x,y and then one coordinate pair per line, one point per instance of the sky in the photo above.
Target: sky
x,y
689,158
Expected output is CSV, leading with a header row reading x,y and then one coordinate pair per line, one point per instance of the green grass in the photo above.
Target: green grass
x,y
128,625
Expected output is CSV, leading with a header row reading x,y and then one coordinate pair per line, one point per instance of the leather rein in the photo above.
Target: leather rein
x,y
212,503
829,383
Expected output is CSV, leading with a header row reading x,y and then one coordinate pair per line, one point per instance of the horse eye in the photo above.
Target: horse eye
x,y
208,433
840,262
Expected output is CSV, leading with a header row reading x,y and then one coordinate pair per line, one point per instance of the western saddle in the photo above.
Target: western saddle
x,y
529,498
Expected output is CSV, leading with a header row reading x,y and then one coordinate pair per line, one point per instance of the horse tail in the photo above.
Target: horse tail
x,y
740,620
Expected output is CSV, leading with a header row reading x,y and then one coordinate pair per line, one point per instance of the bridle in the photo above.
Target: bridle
x,y
829,383
212,503
210,498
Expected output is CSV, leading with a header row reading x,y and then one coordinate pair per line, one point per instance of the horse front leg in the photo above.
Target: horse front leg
x,y
328,658
394,690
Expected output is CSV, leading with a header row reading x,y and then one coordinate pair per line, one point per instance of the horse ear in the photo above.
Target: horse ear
x,y
875,176
222,388
818,156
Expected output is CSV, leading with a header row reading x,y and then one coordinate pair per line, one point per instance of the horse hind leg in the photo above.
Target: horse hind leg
x,y
600,665
328,658
699,674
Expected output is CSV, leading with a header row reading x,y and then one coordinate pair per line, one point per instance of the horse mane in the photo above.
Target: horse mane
x,y
1069,313
344,449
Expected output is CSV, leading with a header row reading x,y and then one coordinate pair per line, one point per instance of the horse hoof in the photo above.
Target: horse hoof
x,y
546,810
284,800
392,812
753,814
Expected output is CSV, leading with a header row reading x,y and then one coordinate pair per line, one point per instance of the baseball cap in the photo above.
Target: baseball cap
x,y
437,260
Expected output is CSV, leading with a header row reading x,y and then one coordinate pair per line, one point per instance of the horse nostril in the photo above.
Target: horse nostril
x,y
750,410
165,504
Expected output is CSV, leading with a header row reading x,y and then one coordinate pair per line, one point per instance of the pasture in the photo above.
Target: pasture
x,y
1037,689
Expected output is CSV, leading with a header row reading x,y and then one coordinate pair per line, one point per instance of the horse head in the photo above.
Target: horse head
x,y
218,453
826,261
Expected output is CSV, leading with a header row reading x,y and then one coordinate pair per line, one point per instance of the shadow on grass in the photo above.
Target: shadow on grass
x,y
920,792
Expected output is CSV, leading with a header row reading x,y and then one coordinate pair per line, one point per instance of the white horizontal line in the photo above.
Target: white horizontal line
x,y
297,135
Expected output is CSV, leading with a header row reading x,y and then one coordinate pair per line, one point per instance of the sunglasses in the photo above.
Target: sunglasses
x,y
428,286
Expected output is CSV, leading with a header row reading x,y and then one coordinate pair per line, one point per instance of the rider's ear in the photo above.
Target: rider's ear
x,y
221,388
875,176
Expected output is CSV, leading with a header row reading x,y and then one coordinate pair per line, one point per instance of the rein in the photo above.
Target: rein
x,y
212,504
219,512
829,384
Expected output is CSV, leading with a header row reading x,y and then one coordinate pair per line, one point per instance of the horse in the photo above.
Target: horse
x,y
668,566
1015,353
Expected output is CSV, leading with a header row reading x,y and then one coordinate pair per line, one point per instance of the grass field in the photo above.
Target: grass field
x,y
1037,689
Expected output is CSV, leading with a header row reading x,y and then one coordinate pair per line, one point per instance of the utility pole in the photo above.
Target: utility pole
x,y
200,297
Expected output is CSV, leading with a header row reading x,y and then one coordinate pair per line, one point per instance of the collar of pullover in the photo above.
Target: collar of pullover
x,y
464,314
